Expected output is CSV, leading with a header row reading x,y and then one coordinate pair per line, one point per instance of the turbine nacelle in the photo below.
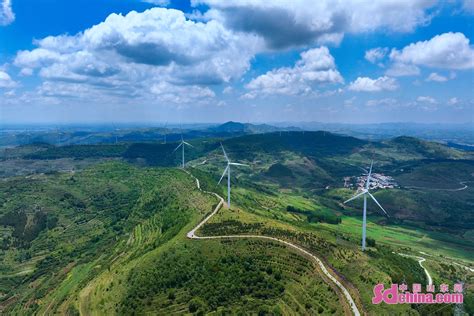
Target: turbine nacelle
x,y
182,144
364,193
227,169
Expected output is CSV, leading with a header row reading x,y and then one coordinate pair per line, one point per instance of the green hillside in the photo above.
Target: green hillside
x,y
304,162
103,229
72,226
415,146
110,239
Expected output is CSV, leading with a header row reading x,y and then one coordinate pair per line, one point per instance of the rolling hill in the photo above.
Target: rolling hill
x,y
110,228
111,239
126,133
313,161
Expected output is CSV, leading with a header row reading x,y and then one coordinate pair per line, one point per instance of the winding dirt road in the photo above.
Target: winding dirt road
x,y
192,235
463,183
420,261
451,261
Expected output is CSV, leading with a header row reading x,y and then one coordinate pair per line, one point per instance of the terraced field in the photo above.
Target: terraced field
x,y
111,237
89,217
246,276
149,265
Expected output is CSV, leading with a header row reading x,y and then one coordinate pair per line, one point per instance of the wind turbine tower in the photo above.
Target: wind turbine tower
x,y
364,193
182,144
164,136
115,133
227,169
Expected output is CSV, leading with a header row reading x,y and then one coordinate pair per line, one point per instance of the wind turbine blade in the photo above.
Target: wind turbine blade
x,y
187,144
377,202
223,174
227,158
356,196
180,144
363,169
238,164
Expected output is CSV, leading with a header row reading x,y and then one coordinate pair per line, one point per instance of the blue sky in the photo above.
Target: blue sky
x,y
211,61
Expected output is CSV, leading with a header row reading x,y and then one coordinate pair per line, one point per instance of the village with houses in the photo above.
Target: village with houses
x,y
377,181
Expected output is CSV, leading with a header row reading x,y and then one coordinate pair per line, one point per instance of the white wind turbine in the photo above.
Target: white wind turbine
x,y
227,169
164,136
182,144
115,133
366,192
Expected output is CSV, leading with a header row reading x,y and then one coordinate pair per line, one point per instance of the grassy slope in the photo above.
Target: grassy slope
x,y
143,283
396,234
263,210
339,253
237,276
304,164
431,165
96,261
339,244
101,212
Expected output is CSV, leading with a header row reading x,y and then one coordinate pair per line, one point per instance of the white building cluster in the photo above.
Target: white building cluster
x,y
377,181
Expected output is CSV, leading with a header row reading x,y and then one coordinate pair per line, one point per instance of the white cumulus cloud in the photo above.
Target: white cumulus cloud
x,y
436,77
453,101
400,69
6,13
228,90
155,48
316,66
160,3
373,85
6,81
382,102
468,6
303,22
446,51
376,54
180,94
426,103
426,99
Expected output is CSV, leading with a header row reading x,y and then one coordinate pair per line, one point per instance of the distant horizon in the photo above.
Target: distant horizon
x,y
161,124
447,133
